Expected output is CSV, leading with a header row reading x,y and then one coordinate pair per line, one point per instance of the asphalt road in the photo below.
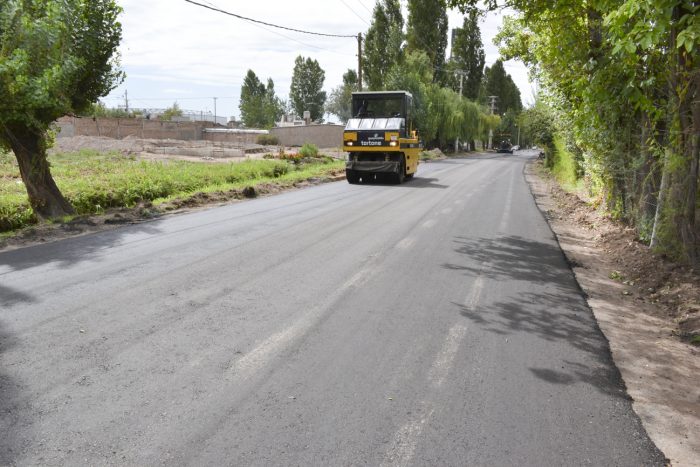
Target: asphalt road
x,y
432,323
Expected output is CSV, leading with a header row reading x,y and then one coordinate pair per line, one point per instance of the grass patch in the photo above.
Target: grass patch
x,y
565,168
93,181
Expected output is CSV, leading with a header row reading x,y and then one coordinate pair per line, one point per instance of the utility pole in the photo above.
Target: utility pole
x,y
359,61
461,80
215,111
126,101
493,104
493,110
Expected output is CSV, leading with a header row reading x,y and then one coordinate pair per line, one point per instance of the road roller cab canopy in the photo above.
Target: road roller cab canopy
x,y
381,110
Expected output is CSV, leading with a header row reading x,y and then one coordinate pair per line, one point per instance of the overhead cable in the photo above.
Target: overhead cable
x,y
268,24
354,12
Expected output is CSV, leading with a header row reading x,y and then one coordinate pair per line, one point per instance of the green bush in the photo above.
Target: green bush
x,y
565,167
309,150
268,140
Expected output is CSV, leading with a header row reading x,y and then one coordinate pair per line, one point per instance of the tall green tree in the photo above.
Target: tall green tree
x,y
383,43
259,106
468,57
306,92
500,84
56,57
340,100
427,31
274,107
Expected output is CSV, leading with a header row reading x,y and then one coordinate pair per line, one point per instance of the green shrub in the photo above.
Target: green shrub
x,y
309,150
268,140
565,167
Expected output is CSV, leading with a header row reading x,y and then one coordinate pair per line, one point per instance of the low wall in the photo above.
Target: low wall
x,y
323,136
119,128
221,135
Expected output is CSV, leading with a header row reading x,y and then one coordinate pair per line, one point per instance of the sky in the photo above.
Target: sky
x,y
174,51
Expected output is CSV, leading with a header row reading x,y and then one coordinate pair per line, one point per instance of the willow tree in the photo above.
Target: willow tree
x,y
56,57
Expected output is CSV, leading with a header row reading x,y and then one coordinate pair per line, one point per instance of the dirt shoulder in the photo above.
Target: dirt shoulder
x,y
647,307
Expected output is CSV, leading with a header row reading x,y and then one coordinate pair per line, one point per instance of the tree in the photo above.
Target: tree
x,y
259,106
468,56
170,112
56,57
427,31
340,101
274,108
383,43
500,84
251,101
306,92
440,115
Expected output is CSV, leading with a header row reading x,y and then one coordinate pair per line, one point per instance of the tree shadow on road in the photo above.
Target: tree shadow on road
x,y
514,258
9,297
552,308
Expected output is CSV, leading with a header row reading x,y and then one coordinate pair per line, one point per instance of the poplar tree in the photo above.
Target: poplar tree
x,y
427,31
468,55
306,92
383,40
500,84
259,106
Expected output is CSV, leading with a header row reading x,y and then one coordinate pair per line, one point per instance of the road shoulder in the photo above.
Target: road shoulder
x,y
661,372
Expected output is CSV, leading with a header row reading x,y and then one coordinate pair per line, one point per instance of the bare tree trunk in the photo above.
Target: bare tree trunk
x,y
45,198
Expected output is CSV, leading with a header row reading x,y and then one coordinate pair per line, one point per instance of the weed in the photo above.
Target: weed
x,y
616,276
308,150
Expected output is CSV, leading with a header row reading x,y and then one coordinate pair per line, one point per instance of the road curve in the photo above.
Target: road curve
x,y
432,323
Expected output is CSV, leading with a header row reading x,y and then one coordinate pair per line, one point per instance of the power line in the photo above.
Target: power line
x,y
166,98
364,6
269,24
354,12
299,42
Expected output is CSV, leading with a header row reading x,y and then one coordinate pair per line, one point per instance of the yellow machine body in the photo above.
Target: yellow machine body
x,y
380,138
